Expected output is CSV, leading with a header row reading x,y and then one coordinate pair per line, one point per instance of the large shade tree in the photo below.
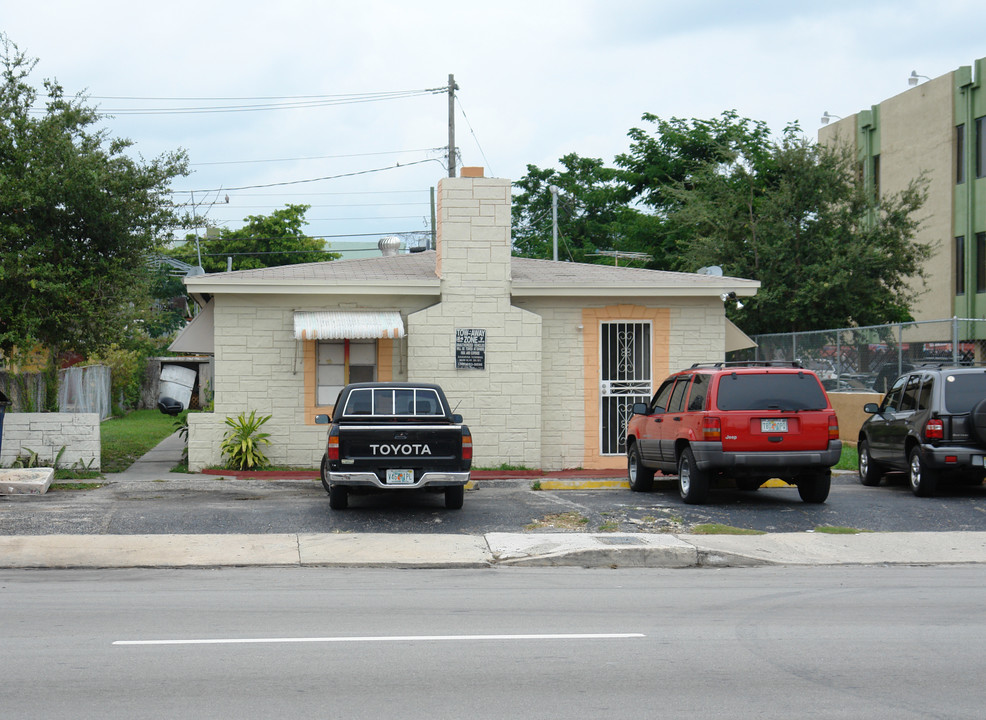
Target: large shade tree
x,y
795,215
79,217
798,217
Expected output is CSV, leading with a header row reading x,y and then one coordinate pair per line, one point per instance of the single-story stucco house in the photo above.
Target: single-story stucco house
x,y
543,359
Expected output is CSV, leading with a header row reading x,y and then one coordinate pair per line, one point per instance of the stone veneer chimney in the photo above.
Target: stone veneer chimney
x,y
501,397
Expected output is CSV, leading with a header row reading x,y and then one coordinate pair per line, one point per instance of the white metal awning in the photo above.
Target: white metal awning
x,y
736,339
198,335
348,324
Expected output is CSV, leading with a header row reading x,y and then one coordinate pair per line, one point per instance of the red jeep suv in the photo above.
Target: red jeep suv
x,y
747,421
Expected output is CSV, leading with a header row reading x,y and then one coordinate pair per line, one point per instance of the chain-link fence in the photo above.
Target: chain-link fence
x,y
867,359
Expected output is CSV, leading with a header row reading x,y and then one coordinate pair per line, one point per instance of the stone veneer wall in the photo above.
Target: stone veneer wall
x,y
47,433
500,403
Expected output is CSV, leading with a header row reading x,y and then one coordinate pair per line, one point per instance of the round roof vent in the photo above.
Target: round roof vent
x,y
389,245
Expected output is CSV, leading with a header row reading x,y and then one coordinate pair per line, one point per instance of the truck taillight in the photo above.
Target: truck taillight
x,y
934,429
833,427
711,429
333,447
466,446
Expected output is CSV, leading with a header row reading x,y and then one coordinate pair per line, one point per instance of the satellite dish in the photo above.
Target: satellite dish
x,y
713,270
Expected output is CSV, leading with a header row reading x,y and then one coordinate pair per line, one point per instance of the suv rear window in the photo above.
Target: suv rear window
x,y
963,391
770,391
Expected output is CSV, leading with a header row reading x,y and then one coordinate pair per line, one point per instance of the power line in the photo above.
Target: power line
x,y
473,132
310,180
314,157
289,102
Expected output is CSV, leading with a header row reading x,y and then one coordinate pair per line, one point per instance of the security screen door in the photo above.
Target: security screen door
x,y
625,378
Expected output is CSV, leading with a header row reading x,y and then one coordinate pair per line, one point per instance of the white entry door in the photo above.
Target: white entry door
x,y
625,378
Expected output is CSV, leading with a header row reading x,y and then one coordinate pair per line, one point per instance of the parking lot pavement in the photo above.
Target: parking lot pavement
x,y
149,516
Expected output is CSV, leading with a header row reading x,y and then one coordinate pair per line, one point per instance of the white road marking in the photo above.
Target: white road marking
x,y
383,638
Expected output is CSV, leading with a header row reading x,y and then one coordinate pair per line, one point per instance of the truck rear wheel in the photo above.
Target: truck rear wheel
x,y
324,473
454,495
338,497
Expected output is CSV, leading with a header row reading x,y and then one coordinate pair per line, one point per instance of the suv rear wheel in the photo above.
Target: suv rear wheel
x,y
924,480
870,471
693,484
641,478
814,487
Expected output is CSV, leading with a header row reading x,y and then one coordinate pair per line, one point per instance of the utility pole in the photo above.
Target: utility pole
x,y
451,125
554,220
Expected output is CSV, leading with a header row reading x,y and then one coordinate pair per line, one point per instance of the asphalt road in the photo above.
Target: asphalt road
x,y
846,642
302,506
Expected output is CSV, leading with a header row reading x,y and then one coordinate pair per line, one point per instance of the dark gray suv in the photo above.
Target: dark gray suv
x,y
931,425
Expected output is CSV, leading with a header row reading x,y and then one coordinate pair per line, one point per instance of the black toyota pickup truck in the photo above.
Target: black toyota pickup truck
x,y
388,436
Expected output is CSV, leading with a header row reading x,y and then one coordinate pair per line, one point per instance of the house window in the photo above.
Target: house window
x,y
980,147
960,154
960,265
341,362
981,262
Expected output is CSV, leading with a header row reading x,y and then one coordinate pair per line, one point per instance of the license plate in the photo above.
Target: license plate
x,y
400,477
773,425
977,460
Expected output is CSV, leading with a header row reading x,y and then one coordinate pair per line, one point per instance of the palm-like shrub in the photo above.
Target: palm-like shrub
x,y
242,443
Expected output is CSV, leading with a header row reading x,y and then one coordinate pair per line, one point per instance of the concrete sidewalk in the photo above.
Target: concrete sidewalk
x,y
490,550
398,550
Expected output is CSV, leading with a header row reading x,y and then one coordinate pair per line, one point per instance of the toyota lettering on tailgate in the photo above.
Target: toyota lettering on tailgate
x,y
405,449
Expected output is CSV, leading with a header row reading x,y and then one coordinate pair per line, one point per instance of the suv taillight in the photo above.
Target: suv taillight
x,y
466,445
333,448
934,429
833,427
711,429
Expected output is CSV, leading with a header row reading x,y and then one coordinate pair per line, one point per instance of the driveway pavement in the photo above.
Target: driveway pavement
x,y
74,538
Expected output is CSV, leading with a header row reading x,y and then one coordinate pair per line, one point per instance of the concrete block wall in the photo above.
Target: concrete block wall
x,y
47,433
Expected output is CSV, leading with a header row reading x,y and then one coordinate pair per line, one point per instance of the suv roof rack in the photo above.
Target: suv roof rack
x,y
751,363
949,364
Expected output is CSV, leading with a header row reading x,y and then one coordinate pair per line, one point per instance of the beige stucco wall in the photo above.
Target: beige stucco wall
x,y
685,331
917,130
849,409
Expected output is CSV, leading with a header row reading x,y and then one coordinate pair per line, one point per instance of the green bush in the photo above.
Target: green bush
x,y
242,442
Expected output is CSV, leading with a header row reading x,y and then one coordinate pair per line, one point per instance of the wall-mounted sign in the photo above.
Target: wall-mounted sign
x,y
470,349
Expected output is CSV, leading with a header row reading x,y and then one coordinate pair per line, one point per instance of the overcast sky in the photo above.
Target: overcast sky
x,y
537,80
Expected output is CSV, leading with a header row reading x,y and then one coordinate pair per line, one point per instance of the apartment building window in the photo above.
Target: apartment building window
x,y
980,262
876,177
960,265
960,154
980,147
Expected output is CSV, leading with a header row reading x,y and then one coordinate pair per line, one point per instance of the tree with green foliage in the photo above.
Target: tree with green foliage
x,y
79,217
264,241
591,213
797,216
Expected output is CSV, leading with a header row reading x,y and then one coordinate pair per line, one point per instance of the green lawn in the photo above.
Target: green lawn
x,y
849,458
125,439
